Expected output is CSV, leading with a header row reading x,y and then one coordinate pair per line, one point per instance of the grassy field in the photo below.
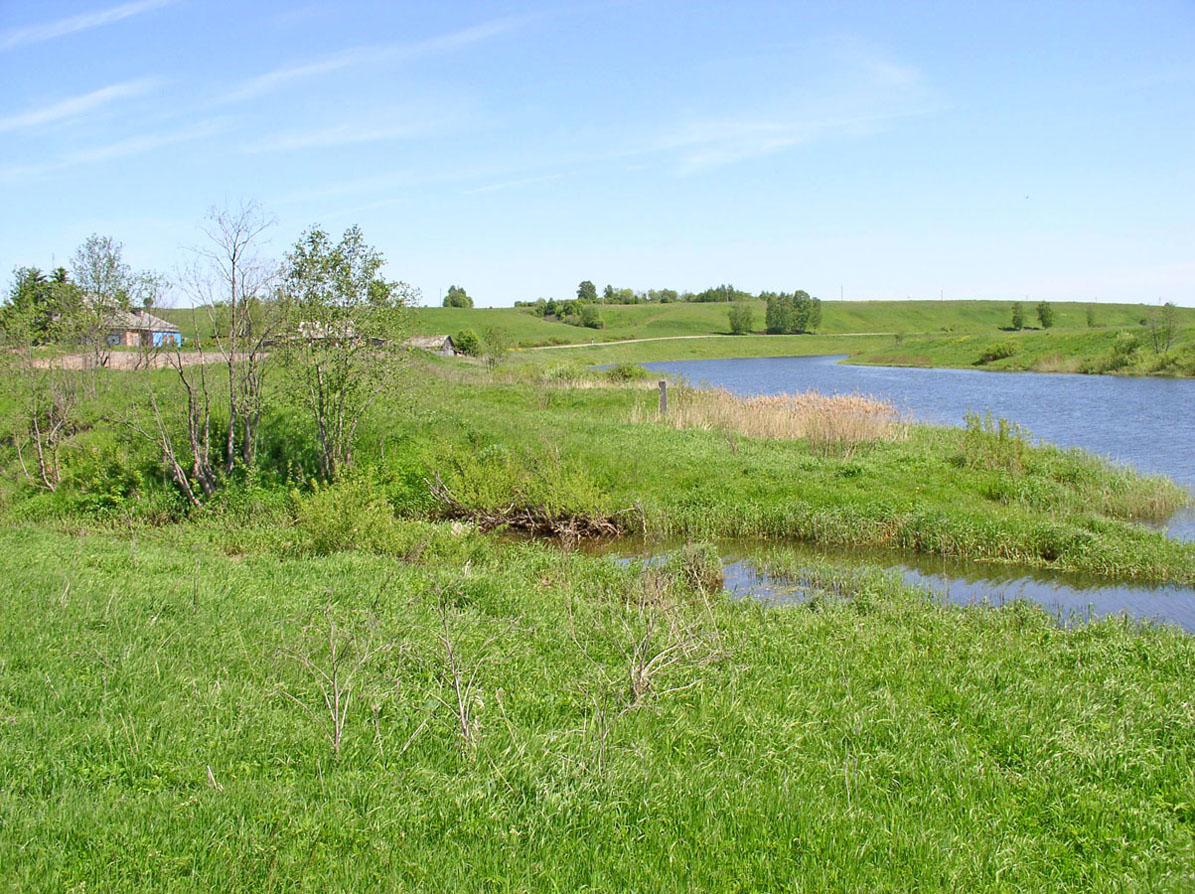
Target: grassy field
x,y
351,685
165,730
838,317
900,333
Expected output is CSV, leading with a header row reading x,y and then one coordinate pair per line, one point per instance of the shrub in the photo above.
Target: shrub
x,y
468,342
998,351
994,443
590,317
698,567
626,372
741,318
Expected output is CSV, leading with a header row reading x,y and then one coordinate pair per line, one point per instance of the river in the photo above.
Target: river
x,y
1147,423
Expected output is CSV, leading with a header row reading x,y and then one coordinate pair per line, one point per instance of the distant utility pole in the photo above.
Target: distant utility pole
x,y
840,293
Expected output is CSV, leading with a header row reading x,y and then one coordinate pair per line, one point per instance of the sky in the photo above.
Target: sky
x,y
1038,150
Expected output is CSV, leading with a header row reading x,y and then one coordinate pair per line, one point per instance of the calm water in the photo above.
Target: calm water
x,y
1147,423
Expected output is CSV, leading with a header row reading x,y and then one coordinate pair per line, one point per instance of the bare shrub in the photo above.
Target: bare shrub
x,y
661,641
456,666
833,425
332,657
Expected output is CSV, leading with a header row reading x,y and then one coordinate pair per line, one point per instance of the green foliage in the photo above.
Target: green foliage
x,y
1045,314
467,341
792,313
457,297
591,318
1090,316
741,318
698,566
627,372
1018,316
998,351
349,321
1162,326
495,343
587,291
994,443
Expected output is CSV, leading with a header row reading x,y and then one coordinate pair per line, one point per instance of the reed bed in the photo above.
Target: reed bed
x,y
833,425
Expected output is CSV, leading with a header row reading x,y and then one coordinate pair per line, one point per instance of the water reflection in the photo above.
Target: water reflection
x,y
1067,595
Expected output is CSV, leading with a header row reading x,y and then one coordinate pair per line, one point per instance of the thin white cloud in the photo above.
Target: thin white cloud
x,y
345,135
857,92
712,144
77,105
372,54
27,34
511,184
132,146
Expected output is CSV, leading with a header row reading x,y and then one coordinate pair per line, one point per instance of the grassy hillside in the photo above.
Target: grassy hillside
x,y
838,317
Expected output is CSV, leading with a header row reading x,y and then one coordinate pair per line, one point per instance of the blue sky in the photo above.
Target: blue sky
x,y
884,150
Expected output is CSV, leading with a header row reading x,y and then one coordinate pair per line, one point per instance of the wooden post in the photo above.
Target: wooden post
x,y
663,398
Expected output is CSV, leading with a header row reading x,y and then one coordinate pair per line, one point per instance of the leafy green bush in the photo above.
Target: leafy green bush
x,y
468,342
626,372
998,351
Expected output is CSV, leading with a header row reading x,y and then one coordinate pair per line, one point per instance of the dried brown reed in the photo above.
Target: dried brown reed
x,y
833,425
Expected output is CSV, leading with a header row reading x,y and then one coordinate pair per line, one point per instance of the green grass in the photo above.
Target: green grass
x,y
164,729
838,317
1126,351
871,740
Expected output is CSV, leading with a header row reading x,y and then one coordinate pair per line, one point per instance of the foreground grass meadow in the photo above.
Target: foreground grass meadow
x,y
356,685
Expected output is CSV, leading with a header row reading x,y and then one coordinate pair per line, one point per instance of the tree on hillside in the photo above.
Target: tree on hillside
x,y
590,317
587,291
1162,325
1045,314
774,316
741,318
457,297
1018,316
1091,316
347,321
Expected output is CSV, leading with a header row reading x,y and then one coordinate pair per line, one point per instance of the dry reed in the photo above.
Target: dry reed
x,y
833,425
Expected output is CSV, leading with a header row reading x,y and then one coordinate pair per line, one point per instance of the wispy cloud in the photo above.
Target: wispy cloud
x,y
345,135
27,34
372,54
77,105
94,155
511,184
858,92
713,143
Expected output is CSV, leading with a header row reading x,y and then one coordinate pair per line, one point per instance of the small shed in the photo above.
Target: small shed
x,y
437,344
140,329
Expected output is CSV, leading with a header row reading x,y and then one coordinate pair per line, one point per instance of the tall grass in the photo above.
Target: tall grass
x,y
832,425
